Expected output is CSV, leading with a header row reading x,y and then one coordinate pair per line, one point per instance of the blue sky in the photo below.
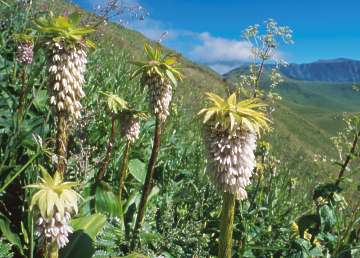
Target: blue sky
x,y
209,31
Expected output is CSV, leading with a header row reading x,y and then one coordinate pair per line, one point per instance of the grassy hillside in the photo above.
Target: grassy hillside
x,y
118,39
310,112
120,166
307,114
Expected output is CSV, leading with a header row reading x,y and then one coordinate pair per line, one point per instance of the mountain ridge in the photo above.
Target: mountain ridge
x,y
338,70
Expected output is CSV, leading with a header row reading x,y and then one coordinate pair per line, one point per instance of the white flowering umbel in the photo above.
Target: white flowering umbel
x,y
231,159
55,229
160,95
129,127
25,52
66,69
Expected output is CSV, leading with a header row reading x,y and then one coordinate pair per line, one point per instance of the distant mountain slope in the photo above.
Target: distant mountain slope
x,y
335,70
310,111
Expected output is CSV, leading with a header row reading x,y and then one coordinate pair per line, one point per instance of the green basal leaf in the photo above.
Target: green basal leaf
x,y
149,51
23,37
7,233
82,240
137,169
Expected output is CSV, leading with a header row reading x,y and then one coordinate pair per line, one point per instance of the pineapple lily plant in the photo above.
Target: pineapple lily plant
x,y
66,47
159,74
55,202
25,48
115,105
66,59
231,129
130,131
24,56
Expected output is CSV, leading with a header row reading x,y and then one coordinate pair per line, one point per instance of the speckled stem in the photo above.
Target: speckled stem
x,y
123,168
226,225
61,142
149,182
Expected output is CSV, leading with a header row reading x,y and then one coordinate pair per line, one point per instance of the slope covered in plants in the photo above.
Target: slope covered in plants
x,y
130,176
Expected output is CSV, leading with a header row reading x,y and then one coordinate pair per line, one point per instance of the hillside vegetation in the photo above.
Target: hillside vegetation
x,y
310,111
115,161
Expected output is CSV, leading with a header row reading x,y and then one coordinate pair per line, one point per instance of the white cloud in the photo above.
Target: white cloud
x,y
220,54
216,50
152,29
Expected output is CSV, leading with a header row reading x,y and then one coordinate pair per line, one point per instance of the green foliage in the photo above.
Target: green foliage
x,y
64,28
5,249
90,225
158,64
9,235
107,202
81,243
137,170
114,103
230,114
183,211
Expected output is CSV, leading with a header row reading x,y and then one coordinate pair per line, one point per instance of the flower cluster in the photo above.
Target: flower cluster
x,y
24,52
55,200
231,159
129,126
160,95
66,68
55,229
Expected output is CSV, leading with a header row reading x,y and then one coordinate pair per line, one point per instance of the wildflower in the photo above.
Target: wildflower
x,y
160,95
55,201
230,141
66,61
54,229
159,75
294,228
231,159
129,126
24,52
66,70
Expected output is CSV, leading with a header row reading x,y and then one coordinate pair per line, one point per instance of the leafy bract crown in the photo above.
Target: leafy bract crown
x,y
140,115
229,114
158,64
54,195
23,37
115,104
64,28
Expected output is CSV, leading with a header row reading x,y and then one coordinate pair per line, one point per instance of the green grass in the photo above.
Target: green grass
x,y
310,112
320,103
